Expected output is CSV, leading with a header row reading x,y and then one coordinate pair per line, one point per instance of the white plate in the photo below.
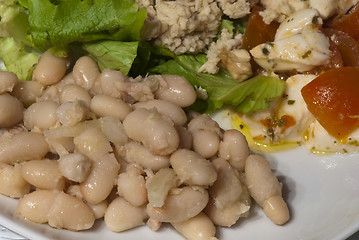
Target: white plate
x,y
322,193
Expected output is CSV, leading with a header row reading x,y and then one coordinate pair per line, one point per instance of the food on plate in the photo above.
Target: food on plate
x,y
111,101
122,149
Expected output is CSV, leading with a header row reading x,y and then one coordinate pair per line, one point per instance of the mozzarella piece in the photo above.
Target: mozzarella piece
x,y
320,141
298,52
328,8
295,106
298,44
301,21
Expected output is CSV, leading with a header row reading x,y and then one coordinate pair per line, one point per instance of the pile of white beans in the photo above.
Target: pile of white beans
x,y
79,145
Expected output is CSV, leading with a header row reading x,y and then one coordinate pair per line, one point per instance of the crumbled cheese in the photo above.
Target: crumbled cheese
x,y
235,8
191,25
284,8
328,8
269,15
225,43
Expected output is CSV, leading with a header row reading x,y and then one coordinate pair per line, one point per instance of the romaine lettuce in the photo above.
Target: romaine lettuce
x,y
251,95
61,22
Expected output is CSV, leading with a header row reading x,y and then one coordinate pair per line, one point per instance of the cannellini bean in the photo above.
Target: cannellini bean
x,y
32,145
85,72
101,179
99,209
159,185
92,143
106,83
131,186
175,89
75,166
185,136
12,184
73,92
50,69
154,225
51,93
180,205
11,111
206,143
121,215
204,122
7,81
199,227
28,91
169,109
113,129
41,115
44,174
36,205
71,113
153,130
61,145
137,153
228,216
103,105
265,188
70,213
193,169
234,148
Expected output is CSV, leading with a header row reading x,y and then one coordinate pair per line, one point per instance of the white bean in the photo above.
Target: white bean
x,y
154,131
199,227
185,136
41,115
92,143
121,215
11,110
265,188
28,91
75,166
234,148
7,81
169,109
137,153
71,113
44,174
85,72
12,184
32,145
70,213
206,143
99,209
101,179
193,169
36,205
106,83
180,205
73,92
176,89
103,105
131,186
113,129
50,69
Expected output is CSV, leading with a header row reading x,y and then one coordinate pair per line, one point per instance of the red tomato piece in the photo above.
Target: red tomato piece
x,y
348,23
257,31
348,46
333,98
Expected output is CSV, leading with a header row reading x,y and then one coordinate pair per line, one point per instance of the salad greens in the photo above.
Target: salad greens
x,y
110,32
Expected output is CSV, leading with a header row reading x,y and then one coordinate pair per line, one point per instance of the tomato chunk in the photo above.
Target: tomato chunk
x,y
257,31
348,23
333,98
348,46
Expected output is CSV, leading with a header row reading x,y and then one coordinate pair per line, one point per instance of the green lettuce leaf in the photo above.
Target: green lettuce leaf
x,y
17,59
59,22
113,54
251,95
